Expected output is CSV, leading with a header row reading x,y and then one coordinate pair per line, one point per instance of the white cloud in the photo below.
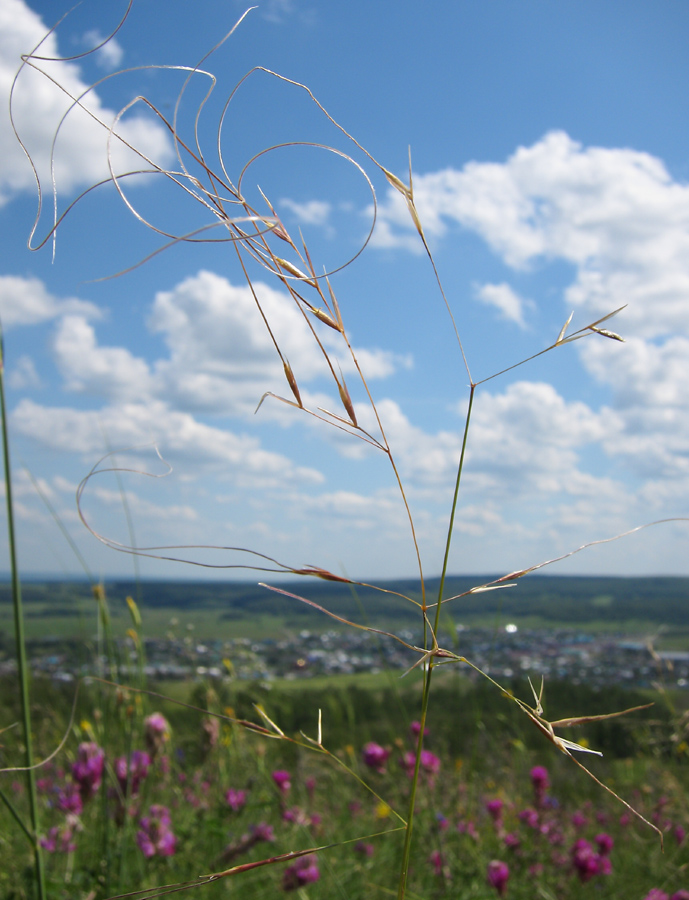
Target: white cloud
x,y
38,105
510,305
615,214
222,358
182,439
314,212
23,374
111,372
25,301
622,222
110,55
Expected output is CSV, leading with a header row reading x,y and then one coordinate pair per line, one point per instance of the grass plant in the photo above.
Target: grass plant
x,y
398,806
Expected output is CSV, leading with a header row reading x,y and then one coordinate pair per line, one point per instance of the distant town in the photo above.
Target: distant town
x,y
505,654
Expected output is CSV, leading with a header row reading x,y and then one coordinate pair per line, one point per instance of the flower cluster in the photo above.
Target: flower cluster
x,y
155,836
303,871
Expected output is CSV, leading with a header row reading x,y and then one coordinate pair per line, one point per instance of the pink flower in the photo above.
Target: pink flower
x,y
679,833
59,839
235,799
375,756
296,815
680,895
605,844
587,863
529,817
262,832
540,782
130,773
512,841
87,771
364,848
415,729
430,762
69,800
579,820
156,733
494,808
302,871
656,894
470,829
283,780
155,836
437,861
539,778
498,875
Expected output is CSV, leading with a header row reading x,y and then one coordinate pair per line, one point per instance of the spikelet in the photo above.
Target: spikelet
x,y
292,381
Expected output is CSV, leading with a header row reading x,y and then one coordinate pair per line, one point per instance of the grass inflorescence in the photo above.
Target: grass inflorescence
x,y
128,813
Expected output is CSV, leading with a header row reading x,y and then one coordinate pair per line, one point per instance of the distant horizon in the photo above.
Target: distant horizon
x,y
5,578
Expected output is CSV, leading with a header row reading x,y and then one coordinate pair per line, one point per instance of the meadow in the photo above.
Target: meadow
x,y
147,792
429,785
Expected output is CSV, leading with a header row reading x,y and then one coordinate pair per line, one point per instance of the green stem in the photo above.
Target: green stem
x,y
22,663
406,852
450,529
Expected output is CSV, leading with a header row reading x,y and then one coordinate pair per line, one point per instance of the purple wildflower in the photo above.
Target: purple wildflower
x,y
296,815
87,771
156,733
263,832
656,894
494,808
155,836
437,861
679,833
430,762
69,799
364,848
540,782
59,839
130,773
680,895
605,844
283,780
529,817
498,875
235,799
415,729
302,871
375,756
579,820
512,840
587,863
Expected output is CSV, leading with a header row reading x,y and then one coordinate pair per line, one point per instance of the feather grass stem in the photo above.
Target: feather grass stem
x,y
22,663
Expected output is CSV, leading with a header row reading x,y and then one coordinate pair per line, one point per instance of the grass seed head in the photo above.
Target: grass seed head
x,y
347,401
292,381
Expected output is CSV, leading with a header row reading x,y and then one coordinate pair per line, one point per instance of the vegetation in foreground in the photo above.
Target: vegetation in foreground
x,y
147,793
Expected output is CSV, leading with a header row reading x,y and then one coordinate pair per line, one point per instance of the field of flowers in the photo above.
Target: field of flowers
x,y
132,805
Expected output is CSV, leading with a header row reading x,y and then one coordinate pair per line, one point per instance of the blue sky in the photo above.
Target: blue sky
x,y
551,170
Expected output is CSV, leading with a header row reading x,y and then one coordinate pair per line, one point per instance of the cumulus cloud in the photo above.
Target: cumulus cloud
x,y
110,55
38,105
25,301
111,372
615,214
314,212
222,358
239,458
622,222
23,374
509,304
